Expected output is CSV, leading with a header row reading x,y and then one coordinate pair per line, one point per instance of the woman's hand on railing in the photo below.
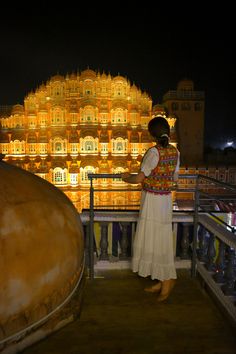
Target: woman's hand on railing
x,y
175,185
125,176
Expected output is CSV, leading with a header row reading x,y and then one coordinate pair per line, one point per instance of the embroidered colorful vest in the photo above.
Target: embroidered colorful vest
x,y
161,180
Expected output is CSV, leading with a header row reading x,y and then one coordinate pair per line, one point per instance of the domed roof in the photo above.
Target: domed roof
x,y
133,88
73,76
42,254
57,78
119,78
18,109
42,87
103,76
88,74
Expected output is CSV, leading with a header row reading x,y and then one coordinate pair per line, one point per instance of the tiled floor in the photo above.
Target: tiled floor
x,y
118,317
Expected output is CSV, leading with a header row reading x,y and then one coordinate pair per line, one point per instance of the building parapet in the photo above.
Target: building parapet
x,y
191,95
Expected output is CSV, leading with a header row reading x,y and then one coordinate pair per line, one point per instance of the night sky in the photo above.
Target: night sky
x,y
152,48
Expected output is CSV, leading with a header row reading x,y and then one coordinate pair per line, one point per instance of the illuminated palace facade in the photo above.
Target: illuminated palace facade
x,y
78,124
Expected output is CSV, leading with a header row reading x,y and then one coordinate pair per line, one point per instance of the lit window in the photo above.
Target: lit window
x,y
58,177
58,146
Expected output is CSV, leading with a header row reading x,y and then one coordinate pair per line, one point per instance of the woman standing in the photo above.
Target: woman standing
x,y
153,253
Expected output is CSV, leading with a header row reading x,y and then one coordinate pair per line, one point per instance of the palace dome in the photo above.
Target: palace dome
x,y
57,78
88,74
119,78
42,258
17,109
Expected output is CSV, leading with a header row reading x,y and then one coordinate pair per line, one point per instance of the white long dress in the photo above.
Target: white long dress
x,y
153,253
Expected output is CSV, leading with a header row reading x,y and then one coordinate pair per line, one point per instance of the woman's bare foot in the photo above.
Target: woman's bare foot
x,y
154,289
166,289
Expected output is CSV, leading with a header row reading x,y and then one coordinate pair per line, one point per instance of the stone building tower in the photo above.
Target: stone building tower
x,y
188,106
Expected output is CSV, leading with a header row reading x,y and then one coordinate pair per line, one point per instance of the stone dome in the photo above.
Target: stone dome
x,y
58,78
42,257
88,74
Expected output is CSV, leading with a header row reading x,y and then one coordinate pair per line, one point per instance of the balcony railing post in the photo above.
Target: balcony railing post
x,y
104,241
195,229
220,263
185,242
87,243
211,253
124,241
229,287
202,244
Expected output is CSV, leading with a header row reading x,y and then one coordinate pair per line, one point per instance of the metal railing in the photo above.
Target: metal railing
x,y
216,267
91,177
214,241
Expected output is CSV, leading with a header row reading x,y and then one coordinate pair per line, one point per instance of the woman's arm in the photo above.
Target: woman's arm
x,y
133,179
149,162
176,173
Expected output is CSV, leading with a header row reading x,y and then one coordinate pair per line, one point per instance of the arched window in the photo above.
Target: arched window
x,y
88,115
59,176
18,147
119,116
89,145
84,173
59,145
58,116
58,91
119,90
119,146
